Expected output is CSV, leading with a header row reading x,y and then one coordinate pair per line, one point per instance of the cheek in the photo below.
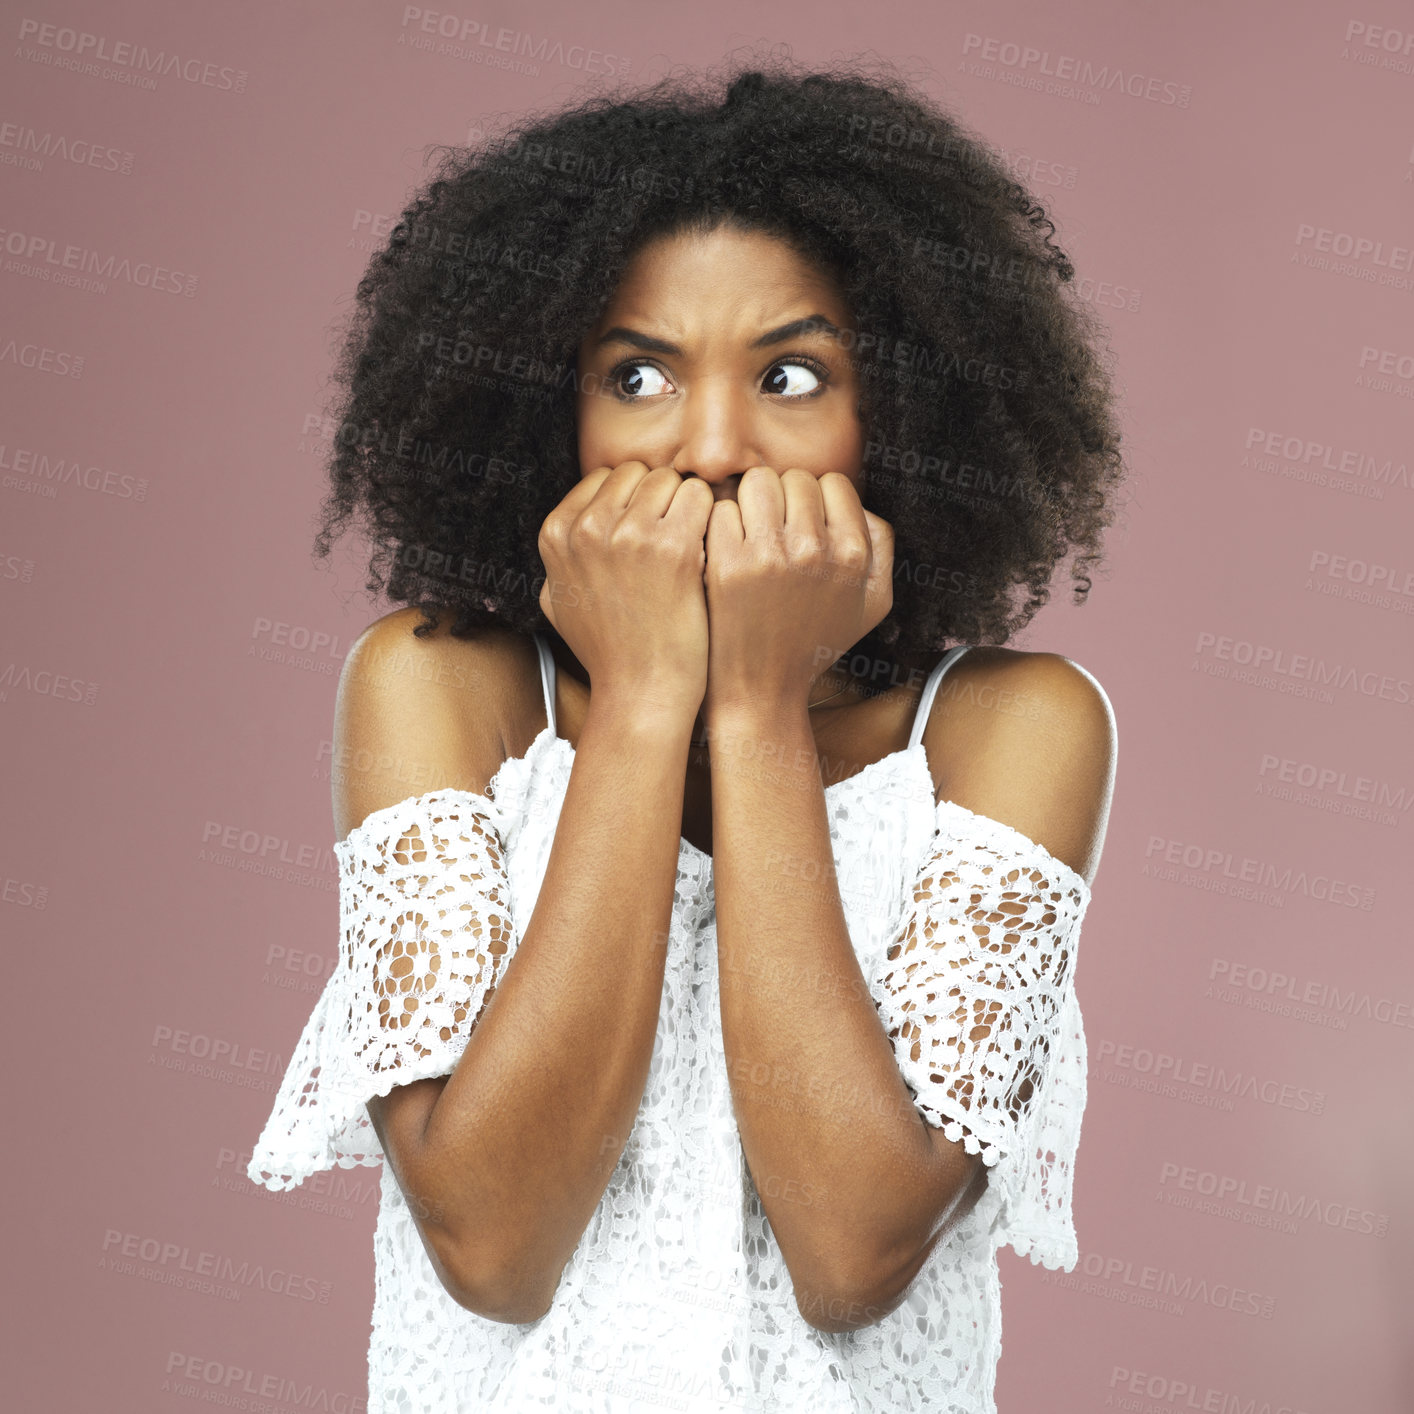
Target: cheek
x,y
589,424
848,442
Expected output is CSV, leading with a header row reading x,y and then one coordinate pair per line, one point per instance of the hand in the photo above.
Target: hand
x,y
797,573
624,558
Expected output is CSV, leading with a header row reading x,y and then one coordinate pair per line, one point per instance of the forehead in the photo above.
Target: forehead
x,y
723,276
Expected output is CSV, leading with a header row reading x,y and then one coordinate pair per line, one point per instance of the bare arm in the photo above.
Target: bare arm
x,y
859,1188
509,1155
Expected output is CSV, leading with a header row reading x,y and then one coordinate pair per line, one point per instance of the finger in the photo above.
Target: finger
x,y
653,494
843,508
619,485
804,508
881,535
725,531
846,520
691,506
761,502
583,491
881,564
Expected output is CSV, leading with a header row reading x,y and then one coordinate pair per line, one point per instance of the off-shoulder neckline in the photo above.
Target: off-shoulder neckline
x,y
547,736
917,753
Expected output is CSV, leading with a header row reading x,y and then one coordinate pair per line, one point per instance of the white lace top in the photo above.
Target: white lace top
x,y
677,1295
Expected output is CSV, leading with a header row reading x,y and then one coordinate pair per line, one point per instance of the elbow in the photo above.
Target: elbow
x,y
508,1305
864,1292
851,1301
484,1271
836,1310
507,1291
865,1286
861,1265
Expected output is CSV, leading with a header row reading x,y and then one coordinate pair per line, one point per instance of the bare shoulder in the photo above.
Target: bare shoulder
x,y
421,712
1028,739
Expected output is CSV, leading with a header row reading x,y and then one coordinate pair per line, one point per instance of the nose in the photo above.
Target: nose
x,y
715,438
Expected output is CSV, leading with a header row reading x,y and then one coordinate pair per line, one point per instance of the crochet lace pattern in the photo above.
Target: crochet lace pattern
x,y
426,934
677,1294
977,1000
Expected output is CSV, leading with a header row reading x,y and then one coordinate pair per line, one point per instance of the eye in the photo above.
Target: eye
x,y
784,380
793,378
629,384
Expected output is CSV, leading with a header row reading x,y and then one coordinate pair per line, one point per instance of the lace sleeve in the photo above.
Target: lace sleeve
x,y
978,998
425,934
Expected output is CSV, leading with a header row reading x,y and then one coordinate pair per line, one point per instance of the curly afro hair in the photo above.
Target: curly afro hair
x,y
992,444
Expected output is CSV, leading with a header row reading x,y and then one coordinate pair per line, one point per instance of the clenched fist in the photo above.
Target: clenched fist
x,y
624,556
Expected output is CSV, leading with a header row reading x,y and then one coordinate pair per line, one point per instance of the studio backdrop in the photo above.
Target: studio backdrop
x,y
191,194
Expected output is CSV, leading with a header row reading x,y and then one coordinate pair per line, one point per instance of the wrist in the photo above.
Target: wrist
x,y
664,706
744,697
762,742
763,717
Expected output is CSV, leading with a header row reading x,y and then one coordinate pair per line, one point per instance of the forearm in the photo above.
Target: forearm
x,y
847,1168
523,1139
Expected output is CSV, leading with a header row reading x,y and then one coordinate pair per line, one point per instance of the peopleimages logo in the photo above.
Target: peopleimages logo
x,y
464,38
1312,459
1068,68
66,47
1267,1198
35,253
1327,780
1270,664
23,146
1119,1279
242,1388
1169,1071
1137,1386
178,1264
1209,866
1269,984
52,470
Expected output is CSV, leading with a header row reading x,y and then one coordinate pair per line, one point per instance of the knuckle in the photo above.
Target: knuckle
x,y
588,527
774,561
853,554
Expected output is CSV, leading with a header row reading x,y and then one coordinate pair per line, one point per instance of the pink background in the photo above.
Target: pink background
x,y
158,502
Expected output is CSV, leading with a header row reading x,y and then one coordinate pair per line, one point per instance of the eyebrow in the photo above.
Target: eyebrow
x,y
811,324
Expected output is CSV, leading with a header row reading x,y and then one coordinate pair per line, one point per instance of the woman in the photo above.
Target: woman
x,y
719,1023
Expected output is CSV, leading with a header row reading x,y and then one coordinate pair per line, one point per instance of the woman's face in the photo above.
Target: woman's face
x,y
695,364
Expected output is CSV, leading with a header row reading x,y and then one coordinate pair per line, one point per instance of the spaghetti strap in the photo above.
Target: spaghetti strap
x,y
930,690
920,718
547,678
